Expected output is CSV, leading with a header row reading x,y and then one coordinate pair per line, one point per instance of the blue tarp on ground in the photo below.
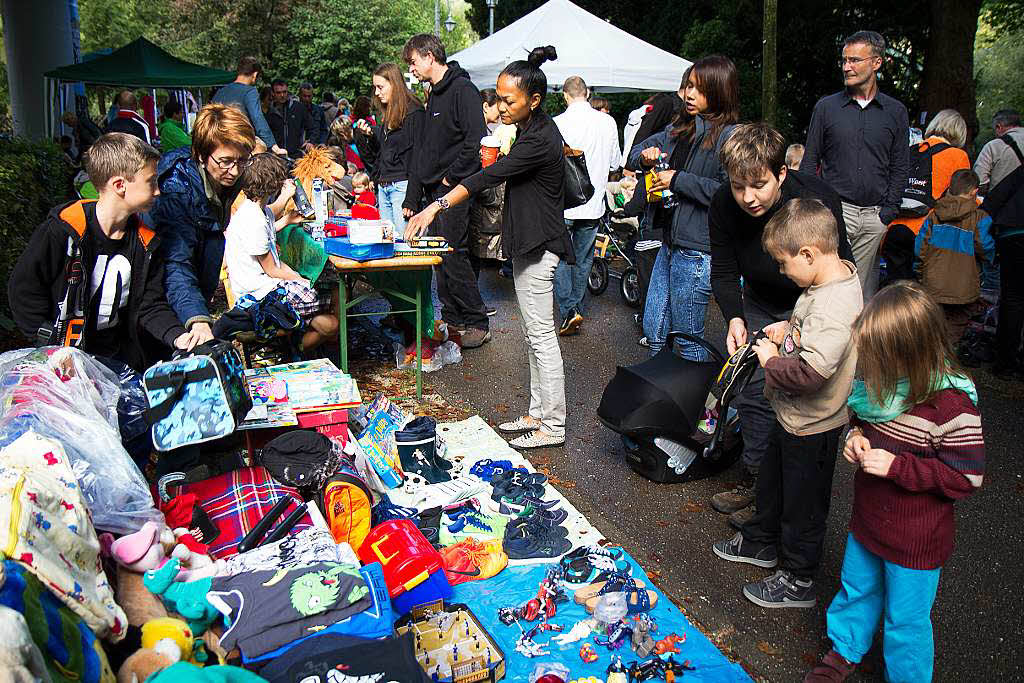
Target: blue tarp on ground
x,y
516,585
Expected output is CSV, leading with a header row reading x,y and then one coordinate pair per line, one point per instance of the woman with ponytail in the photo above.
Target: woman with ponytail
x,y
533,235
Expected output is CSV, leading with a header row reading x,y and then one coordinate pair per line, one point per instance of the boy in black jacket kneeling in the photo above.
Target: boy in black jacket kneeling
x,y
89,276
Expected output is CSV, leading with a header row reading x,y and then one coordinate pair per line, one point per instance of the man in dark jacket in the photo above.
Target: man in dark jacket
x,y
289,120
317,116
746,281
90,276
128,119
447,153
1005,204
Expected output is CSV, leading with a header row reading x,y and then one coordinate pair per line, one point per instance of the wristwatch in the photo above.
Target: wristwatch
x,y
442,203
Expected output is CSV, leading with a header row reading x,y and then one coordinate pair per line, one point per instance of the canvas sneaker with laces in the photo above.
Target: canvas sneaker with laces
x,y
520,424
537,545
781,589
538,438
733,550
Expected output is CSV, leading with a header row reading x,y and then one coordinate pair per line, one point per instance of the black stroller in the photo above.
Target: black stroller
x,y
674,414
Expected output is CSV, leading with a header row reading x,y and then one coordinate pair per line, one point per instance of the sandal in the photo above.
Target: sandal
x,y
638,598
592,563
614,582
538,438
520,424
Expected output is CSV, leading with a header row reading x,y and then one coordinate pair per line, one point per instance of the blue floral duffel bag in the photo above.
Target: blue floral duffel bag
x,y
197,397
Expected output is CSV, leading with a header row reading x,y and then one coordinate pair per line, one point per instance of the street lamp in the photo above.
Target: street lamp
x,y
449,23
491,4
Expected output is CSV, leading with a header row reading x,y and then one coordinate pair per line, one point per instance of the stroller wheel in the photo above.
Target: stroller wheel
x,y
629,287
598,280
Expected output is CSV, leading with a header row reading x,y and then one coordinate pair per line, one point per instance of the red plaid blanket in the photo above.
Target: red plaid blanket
x,y
237,501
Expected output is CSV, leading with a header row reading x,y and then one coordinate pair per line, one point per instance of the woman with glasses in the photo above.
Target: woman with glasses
x,y
197,187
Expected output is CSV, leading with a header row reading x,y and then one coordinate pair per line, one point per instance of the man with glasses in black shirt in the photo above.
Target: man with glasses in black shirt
x,y
858,142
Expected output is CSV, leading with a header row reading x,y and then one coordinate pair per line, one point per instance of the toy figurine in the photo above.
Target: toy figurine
x,y
615,635
579,631
187,599
526,646
587,653
669,643
642,642
617,673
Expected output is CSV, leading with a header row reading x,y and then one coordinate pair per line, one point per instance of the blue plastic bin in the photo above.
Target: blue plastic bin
x,y
435,587
341,246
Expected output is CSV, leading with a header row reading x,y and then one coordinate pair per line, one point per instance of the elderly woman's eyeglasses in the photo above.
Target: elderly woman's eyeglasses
x,y
226,163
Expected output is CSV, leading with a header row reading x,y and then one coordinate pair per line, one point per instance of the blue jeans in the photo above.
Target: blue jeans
x,y
871,588
571,281
678,298
390,197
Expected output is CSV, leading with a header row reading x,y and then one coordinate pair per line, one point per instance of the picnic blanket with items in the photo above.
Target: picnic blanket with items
x,y
399,549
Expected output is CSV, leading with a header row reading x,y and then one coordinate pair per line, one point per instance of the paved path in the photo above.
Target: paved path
x,y
669,528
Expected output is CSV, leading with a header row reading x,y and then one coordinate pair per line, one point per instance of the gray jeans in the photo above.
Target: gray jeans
x,y
534,280
866,231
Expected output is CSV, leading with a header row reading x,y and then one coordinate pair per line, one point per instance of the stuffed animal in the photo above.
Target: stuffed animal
x,y
316,163
147,661
135,599
183,672
190,648
143,550
150,547
20,658
186,598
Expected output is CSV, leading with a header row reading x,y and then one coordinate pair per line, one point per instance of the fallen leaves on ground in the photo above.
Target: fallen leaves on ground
x,y
663,523
767,648
501,408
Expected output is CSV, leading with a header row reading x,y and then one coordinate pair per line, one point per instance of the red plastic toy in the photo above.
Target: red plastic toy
x,y
669,643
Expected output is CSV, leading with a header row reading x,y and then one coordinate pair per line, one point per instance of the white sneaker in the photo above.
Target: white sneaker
x,y
520,424
538,438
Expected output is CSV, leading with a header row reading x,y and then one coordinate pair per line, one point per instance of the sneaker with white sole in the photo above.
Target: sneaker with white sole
x,y
781,589
520,424
733,551
538,438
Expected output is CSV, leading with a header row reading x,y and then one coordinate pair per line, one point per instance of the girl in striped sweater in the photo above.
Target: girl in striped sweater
x,y
916,439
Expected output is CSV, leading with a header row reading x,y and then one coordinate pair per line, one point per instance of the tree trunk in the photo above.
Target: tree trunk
x,y
948,78
769,91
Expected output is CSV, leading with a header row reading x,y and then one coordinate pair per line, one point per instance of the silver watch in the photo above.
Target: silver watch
x,y
442,203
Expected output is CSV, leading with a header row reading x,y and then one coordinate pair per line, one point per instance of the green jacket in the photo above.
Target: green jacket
x,y
173,136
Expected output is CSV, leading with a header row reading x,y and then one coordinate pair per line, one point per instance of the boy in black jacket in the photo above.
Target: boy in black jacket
x,y
447,153
89,276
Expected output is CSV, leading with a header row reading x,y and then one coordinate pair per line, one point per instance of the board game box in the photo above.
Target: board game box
x,y
452,645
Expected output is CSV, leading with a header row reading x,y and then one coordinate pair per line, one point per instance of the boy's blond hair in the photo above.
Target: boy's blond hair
x,y
117,154
801,223
361,178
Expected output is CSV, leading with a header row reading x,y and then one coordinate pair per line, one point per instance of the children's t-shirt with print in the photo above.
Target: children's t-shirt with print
x,y
292,603
250,235
820,333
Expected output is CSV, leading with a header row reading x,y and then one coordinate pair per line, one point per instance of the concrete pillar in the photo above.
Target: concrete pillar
x,y
37,37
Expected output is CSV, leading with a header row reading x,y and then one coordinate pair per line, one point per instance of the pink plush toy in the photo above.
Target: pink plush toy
x,y
143,550
148,549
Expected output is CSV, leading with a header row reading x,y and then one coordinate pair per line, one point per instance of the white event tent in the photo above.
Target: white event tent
x,y
606,57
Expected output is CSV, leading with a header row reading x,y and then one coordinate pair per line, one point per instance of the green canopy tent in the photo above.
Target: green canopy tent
x,y
139,64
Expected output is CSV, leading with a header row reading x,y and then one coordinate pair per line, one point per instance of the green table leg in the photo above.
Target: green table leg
x,y
343,323
419,338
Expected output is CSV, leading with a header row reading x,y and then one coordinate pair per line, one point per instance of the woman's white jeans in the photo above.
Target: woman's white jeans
x,y
534,279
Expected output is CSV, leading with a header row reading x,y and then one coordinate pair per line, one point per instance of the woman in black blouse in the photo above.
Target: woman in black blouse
x,y
533,235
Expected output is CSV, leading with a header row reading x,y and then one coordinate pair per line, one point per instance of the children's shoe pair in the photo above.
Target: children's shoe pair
x,y
781,589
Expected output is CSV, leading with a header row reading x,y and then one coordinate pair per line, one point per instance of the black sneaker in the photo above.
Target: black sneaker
x,y
732,550
781,589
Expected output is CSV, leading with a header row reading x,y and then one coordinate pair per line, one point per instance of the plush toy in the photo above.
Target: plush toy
x,y
20,658
143,550
186,598
183,672
138,603
190,648
147,661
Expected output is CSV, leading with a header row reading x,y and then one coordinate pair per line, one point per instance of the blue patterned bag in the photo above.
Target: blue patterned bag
x,y
196,398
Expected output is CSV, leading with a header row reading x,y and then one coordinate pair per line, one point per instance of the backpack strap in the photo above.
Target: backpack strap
x,y
1008,139
67,330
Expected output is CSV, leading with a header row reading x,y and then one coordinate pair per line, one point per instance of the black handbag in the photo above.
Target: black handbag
x,y
578,188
